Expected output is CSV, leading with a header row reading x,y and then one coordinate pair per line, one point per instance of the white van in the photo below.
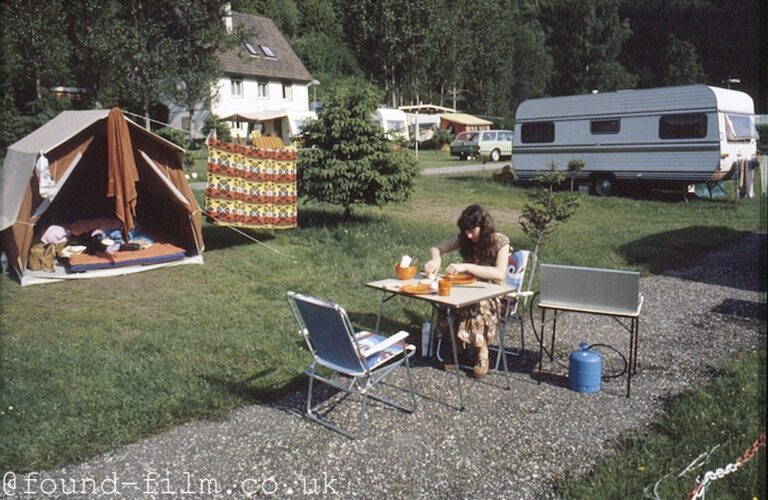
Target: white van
x,y
490,144
674,136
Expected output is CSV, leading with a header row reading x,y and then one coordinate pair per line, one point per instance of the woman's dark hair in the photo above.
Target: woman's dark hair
x,y
482,252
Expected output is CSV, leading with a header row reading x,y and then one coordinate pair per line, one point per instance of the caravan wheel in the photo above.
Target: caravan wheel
x,y
604,186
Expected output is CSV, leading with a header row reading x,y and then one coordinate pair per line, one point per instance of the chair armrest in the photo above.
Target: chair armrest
x,y
515,295
384,344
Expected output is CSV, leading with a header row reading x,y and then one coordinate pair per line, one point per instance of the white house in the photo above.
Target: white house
x,y
264,88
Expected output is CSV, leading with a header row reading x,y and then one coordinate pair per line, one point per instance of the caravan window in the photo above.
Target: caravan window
x,y
683,126
395,125
538,132
604,126
739,128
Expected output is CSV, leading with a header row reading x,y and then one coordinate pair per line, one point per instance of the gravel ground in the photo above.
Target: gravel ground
x,y
507,443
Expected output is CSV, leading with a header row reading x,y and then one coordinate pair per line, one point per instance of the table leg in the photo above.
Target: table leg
x,y
633,340
503,350
382,296
552,345
541,343
455,357
637,340
432,329
631,354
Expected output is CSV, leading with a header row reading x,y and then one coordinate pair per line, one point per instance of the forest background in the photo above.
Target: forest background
x,y
483,57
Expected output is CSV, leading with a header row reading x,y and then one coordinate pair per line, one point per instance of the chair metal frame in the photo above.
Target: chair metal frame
x,y
515,306
340,351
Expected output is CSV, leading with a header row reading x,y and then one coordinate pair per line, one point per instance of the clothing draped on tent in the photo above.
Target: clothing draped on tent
x,y
251,187
121,169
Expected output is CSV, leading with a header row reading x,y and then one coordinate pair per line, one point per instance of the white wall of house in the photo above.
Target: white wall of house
x,y
247,96
250,99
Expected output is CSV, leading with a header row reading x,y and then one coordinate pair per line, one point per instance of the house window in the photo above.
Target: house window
x,y
268,51
538,132
263,94
604,126
185,122
683,126
287,91
237,87
251,50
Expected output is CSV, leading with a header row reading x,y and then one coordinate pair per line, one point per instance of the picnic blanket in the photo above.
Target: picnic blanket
x,y
251,187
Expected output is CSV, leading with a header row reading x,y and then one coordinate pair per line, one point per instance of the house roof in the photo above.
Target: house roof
x,y
286,65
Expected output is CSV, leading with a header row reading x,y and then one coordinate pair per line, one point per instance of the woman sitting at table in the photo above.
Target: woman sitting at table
x,y
485,253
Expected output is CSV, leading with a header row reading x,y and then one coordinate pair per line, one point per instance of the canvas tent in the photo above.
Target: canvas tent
x,y
103,165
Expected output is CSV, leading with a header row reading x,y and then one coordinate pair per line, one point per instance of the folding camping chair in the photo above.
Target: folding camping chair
x,y
521,271
361,358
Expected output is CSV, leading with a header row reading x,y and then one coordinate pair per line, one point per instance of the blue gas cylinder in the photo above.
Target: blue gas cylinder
x,y
585,369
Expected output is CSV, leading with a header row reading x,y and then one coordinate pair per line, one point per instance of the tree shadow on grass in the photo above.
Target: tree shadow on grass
x,y
679,253
222,237
318,217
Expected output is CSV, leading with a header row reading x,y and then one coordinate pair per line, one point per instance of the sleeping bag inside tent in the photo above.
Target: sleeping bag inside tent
x,y
92,194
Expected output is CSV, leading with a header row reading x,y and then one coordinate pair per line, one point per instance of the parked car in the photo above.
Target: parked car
x,y
491,144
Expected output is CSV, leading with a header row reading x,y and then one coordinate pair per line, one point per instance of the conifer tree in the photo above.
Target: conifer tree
x,y
347,159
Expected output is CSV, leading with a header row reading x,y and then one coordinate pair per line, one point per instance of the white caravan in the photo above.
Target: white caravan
x,y
393,121
671,136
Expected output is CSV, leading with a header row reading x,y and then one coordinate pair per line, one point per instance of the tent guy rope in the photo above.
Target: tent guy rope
x,y
233,228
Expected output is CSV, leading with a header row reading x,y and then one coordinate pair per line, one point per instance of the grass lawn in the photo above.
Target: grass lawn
x,y
92,364
720,418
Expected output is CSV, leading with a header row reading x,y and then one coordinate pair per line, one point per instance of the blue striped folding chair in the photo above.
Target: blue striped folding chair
x,y
359,359
521,270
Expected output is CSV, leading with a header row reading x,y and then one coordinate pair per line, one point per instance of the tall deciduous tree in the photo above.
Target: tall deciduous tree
x,y
388,37
724,34
683,65
198,36
445,57
141,55
347,159
586,38
36,48
508,56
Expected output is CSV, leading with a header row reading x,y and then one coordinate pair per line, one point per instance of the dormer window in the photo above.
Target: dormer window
x,y
268,51
251,50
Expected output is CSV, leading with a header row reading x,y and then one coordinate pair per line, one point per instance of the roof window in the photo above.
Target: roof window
x,y
252,51
268,51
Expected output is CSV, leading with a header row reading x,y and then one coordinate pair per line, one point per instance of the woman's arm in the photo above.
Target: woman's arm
x,y
497,272
432,266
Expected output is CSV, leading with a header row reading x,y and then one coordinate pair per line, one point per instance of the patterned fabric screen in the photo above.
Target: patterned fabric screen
x,y
251,187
